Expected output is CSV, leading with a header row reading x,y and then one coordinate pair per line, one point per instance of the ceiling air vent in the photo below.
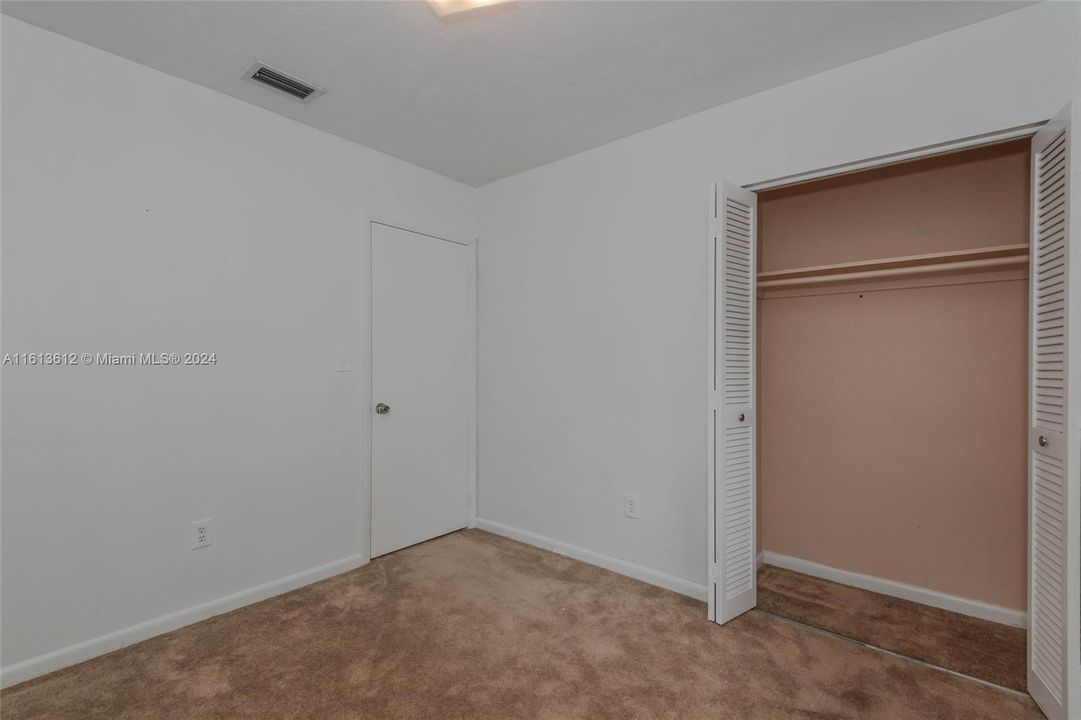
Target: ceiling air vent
x,y
267,75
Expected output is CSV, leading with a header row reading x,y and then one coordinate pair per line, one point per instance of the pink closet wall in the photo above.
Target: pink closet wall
x,y
892,415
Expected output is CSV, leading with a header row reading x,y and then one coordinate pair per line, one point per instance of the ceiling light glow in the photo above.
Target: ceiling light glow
x,y
447,7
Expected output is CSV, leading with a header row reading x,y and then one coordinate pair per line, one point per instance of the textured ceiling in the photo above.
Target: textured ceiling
x,y
489,93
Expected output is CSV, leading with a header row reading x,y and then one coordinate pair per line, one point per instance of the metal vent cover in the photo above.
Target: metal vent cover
x,y
283,82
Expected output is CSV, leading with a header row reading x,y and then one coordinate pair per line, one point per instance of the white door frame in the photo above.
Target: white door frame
x,y
943,148
471,408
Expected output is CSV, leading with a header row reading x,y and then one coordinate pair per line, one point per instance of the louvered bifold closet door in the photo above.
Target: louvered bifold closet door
x,y
733,571
1054,646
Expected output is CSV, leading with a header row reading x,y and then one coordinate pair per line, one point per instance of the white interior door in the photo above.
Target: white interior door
x,y
733,585
1054,597
1054,600
421,387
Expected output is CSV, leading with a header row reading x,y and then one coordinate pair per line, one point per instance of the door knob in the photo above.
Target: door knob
x,y
1042,441
382,409
742,417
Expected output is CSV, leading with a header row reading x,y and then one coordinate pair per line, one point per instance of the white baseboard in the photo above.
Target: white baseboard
x,y
79,652
623,567
915,593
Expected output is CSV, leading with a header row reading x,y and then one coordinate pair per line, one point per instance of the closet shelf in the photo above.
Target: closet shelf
x,y
999,257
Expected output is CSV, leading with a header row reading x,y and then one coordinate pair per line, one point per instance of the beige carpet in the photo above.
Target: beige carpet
x,y
473,626
989,651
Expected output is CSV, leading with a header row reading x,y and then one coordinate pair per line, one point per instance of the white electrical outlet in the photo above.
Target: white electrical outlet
x,y
200,534
630,506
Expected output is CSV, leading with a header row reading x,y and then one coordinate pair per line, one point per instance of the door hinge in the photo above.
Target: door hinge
x,y
714,573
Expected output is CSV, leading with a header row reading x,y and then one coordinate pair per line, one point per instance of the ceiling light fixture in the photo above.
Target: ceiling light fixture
x,y
448,7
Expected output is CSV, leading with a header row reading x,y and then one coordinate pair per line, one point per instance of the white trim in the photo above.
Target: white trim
x,y
914,593
711,411
471,410
473,382
80,652
893,158
384,223
366,483
623,567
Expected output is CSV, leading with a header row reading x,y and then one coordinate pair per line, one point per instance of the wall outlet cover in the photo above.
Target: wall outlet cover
x,y
200,534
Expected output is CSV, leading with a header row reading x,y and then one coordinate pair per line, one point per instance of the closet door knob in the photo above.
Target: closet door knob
x,y
742,417
1042,441
382,409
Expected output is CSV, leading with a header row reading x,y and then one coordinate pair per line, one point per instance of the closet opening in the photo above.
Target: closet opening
x,y
891,357
869,406
892,416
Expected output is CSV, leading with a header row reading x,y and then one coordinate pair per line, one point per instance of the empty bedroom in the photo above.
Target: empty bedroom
x,y
540,359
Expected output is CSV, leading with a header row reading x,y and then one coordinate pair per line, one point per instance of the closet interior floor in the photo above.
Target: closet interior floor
x,y
978,648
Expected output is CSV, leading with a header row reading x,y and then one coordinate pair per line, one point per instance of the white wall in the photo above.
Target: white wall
x,y
593,277
144,213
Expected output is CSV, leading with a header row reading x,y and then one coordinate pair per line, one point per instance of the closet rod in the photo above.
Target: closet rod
x,y
981,259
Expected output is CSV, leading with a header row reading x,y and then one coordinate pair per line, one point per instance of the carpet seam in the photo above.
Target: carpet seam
x,y
892,653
